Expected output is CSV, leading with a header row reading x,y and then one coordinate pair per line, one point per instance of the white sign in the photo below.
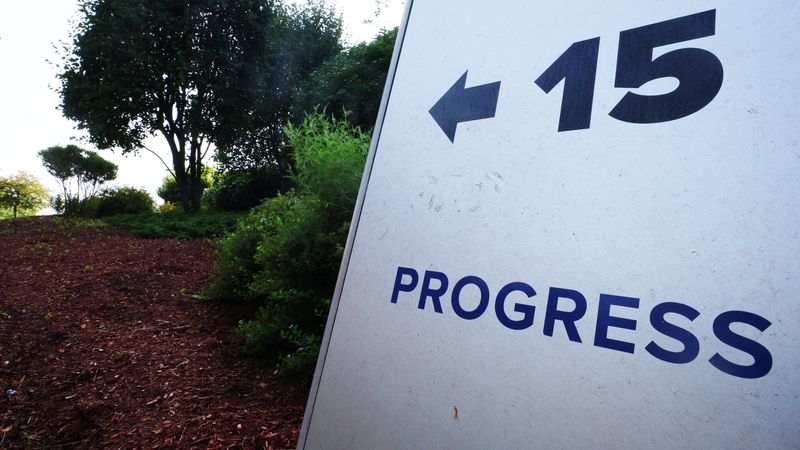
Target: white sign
x,y
579,228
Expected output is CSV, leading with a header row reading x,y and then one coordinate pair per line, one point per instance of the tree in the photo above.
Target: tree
x,y
351,84
198,73
305,38
81,173
22,194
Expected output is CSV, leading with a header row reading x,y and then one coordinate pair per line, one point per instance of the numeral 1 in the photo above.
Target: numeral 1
x,y
578,68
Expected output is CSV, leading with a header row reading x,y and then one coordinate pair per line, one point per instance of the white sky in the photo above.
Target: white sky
x,y
29,116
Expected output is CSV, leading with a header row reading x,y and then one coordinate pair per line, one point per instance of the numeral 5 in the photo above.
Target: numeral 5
x,y
698,71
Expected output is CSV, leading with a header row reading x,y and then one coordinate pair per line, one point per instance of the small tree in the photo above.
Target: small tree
x,y
94,171
306,35
351,84
81,173
23,194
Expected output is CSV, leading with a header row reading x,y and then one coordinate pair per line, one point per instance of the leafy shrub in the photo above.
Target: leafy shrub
x,y
243,189
169,192
285,254
124,200
177,225
297,350
75,207
329,161
57,203
169,207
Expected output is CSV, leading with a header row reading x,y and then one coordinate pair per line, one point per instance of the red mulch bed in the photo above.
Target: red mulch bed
x,y
106,348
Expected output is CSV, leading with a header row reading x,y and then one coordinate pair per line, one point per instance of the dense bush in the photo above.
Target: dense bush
x,y
285,254
74,207
124,200
170,193
240,190
169,207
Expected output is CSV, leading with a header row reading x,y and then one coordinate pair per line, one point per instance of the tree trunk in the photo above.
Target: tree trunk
x,y
182,182
197,193
196,169
179,167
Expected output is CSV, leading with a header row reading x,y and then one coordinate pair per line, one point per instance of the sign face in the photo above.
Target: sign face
x,y
579,228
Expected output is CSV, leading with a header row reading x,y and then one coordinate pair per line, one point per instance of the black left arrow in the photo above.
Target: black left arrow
x,y
460,104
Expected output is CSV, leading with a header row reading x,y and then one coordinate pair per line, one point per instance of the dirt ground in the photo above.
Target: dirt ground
x,y
102,345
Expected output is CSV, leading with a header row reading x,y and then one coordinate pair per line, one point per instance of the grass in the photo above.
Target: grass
x,y
178,225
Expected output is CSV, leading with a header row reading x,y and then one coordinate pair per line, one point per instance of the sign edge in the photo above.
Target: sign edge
x,y
344,265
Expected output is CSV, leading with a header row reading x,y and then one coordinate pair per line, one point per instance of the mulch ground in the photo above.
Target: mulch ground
x,y
103,346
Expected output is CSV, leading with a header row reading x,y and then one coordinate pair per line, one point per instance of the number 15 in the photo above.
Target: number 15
x,y
699,73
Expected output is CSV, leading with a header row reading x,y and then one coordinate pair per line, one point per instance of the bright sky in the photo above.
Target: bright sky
x,y
29,116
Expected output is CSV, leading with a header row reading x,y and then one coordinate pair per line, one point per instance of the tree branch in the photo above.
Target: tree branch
x,y
205,152
171,172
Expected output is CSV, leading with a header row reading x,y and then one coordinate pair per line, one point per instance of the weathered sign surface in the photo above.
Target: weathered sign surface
x,y
579,227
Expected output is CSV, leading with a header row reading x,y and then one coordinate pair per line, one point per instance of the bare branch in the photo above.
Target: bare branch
x,y
205,152
169,169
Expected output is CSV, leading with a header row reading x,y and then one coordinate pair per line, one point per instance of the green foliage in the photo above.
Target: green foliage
x,y
67,223
329,160
285,254
94,170
240,190
85,208
21,194
303,38
57,203
62,162
296,350
169,191
189,71
124,200
236,264
351,83
177,225
81,173
169,207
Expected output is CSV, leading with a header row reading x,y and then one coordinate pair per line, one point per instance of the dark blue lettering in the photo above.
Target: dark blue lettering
x,y
762,363
691,346
484,301
527,310
605,320
567,317
434,294
398,282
